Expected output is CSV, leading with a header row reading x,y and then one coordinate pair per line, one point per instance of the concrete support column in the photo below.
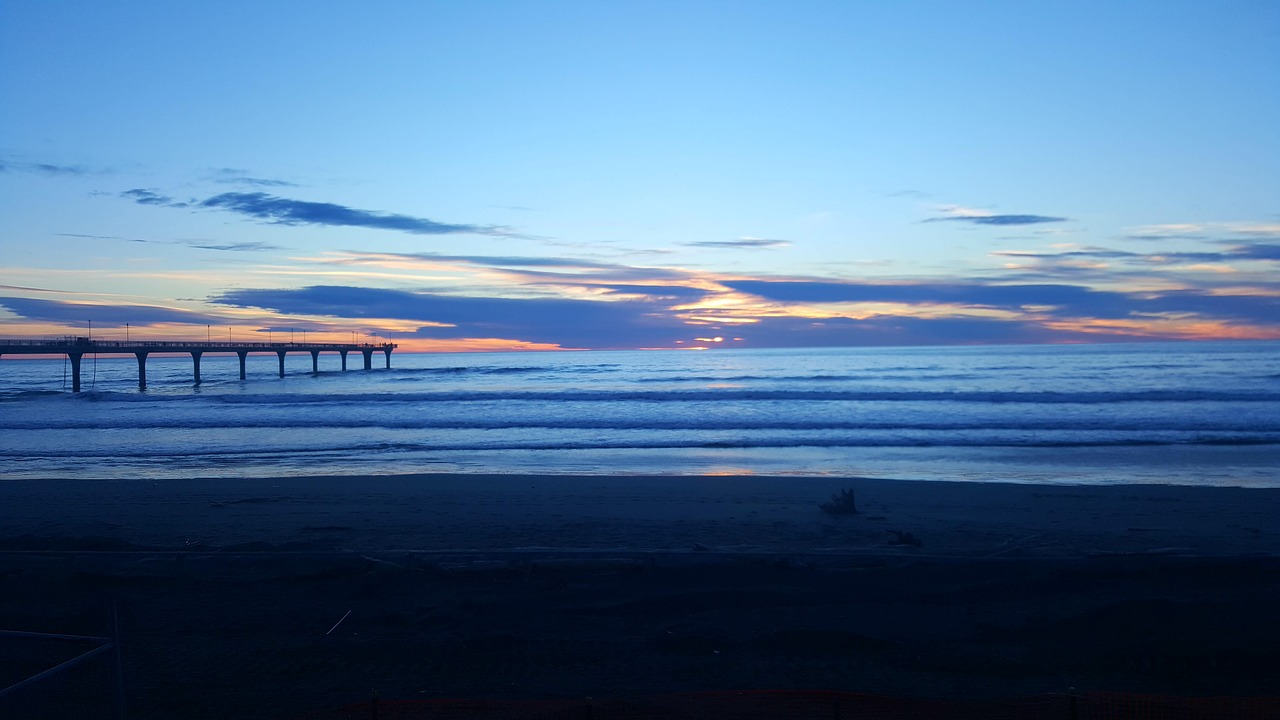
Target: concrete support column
x,y
388,352
195,360
75,370
281,354
315,362
142,370
368,359
344,358
243,354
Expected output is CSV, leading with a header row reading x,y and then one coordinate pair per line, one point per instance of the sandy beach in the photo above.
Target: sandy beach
x,y
504,586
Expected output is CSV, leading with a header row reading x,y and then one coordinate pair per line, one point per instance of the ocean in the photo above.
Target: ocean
x,y
1176,413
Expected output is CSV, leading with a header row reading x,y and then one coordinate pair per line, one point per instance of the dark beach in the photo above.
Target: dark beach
x,y
279,597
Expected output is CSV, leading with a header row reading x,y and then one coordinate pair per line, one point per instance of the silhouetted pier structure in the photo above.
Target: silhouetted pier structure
x,y
76,348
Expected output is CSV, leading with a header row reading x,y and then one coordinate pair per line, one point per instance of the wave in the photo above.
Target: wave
x,y
372,450
714,395
694,424
27,394
741,395
505,369
872,377
468,370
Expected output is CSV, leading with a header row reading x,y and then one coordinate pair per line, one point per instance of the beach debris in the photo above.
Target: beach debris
x,y
251,501
1017,544
383,565
905,538
841,503
335,625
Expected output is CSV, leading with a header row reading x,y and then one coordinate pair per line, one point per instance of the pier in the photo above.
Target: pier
x,y
76,348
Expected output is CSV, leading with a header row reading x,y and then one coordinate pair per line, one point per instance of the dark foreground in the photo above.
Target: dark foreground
x,y
249,635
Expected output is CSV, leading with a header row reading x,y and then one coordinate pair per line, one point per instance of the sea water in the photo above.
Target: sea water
x,y
1180,413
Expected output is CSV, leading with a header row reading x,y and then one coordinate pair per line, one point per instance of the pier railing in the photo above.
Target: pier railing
x,y
89,344
76,347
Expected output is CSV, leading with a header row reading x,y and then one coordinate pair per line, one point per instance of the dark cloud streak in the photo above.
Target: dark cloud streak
x,y
284,211
744,243
7,166
278,210
146,196
233,247
247,246
1000,219
236,176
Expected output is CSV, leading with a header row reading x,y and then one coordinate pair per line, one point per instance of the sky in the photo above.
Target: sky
x,y
632,175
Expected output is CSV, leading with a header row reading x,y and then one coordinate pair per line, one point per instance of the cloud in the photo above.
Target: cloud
x,y
569,271
201,244
1255,230
76,313
24,288
1205,231
1258,309
916,293
1169,231
259,182
1038,313
959,213
146,196
1235,251
235,176
492,260
284,211
746,242
881,330
236,247
41,168
681,293
1257,251
101,237
562,322
1000,219
1060,301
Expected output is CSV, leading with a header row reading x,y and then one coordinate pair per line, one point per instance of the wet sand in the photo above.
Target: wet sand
x,y
537,587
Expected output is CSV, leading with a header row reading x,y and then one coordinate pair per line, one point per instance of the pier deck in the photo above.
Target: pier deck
x,y
76,348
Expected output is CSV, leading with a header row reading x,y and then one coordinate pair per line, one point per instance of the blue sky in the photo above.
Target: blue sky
x,y
623,175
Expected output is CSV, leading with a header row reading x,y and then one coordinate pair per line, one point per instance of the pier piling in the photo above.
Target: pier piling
x,y
75,370
142,370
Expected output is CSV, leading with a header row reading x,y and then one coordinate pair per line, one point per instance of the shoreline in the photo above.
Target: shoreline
x,y
499,512
1191,465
